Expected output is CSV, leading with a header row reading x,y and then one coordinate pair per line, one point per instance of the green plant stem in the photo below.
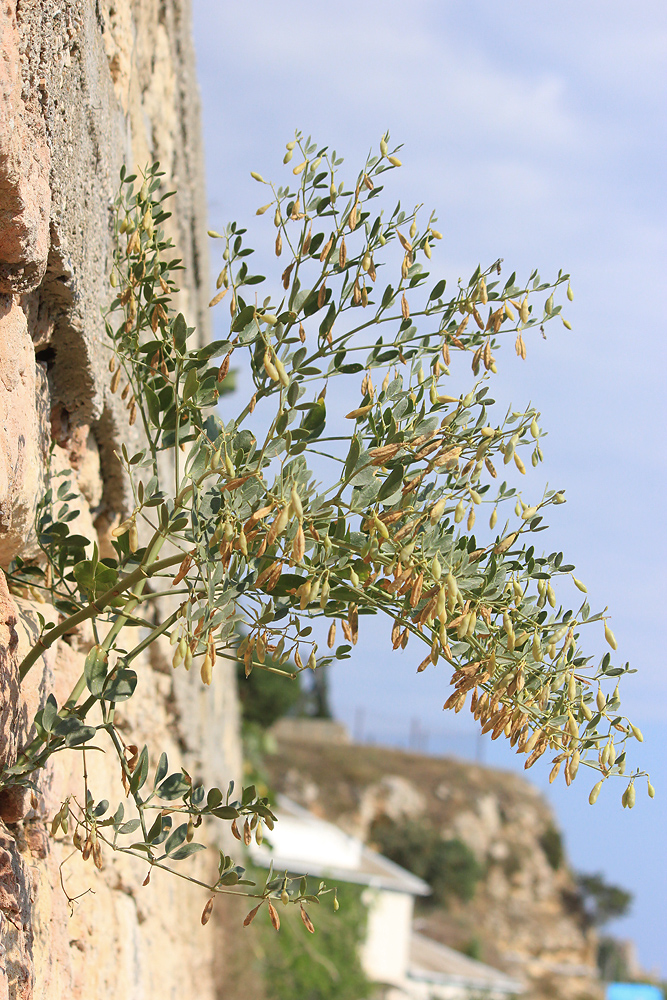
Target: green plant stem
x,y
141,573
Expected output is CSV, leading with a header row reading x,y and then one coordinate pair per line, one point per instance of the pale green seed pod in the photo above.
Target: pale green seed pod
x,y
610,637
595,791
436,568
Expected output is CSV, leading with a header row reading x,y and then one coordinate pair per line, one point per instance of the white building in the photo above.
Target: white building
x,y
411,965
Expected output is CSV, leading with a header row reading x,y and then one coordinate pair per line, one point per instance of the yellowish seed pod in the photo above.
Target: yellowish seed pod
x,y
536,648
637,733
523,311
436,568
483,294
570,293
519,464
588,715
179,653
572,726
187,659
207,669
133,537
354,579
295,501
600,700
395,162
282,374
381,527
300,168
366,262
256,177
566,323
551,595
471,519
384,148
459,512
631,795
494,518
651,791
437,510
595,791
579,585
571,688
610,637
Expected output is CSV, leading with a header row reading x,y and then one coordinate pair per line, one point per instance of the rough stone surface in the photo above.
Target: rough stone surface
x,y
86,85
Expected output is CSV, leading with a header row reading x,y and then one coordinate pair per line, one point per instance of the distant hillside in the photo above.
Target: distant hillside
x,y
485,839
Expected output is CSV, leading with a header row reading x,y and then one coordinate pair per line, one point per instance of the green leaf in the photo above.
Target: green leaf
x,y
82,734
95,670
352,456
437,291
191,384
129,827
161,769
391,483
187,849
226,812
179,331
177,838
121,686
140,772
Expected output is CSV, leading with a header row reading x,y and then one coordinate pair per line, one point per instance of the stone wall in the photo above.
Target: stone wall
x,y
86,85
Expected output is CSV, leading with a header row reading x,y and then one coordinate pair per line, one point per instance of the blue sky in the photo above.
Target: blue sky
x,y
537,133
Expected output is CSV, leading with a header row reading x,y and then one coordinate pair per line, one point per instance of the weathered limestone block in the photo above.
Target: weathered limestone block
x,y
22,435
84,87
25,161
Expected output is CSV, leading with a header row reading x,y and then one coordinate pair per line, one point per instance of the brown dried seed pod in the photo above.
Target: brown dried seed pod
x,y
273,915
251,916
321,295
223,370
342,254
206,912
306,243
405,308
113,386
279,244
307,922
326,250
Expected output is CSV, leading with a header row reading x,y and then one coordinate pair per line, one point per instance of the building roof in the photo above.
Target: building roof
x,y
304,844
433,962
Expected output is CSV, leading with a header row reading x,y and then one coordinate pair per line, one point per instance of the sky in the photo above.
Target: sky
x,y
537,133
